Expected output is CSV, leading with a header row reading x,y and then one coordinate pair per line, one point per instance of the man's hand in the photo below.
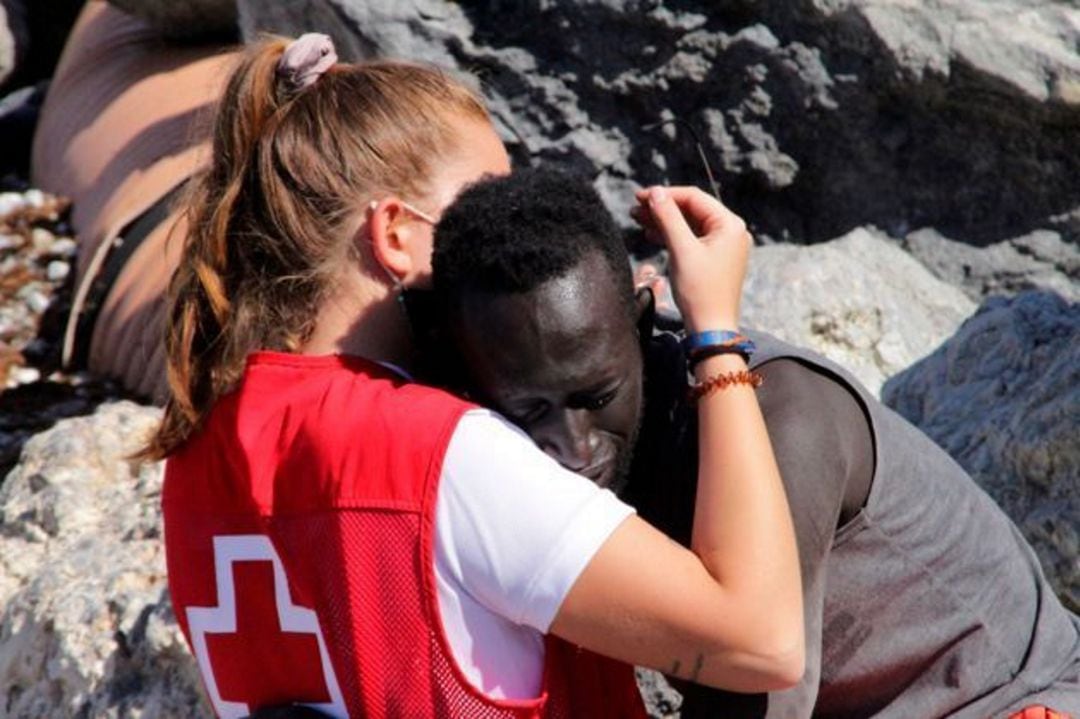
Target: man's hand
x,y
709,248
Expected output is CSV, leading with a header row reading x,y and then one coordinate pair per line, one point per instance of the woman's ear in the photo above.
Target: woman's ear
x,y
400,242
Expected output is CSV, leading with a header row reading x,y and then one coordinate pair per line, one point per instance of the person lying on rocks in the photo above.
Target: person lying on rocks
x,y
921,597
123,128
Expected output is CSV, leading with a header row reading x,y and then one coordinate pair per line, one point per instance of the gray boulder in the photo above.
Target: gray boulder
x,y
859,300
14,37
1003,398
421,31
86,627
818,116
185,19
1040,260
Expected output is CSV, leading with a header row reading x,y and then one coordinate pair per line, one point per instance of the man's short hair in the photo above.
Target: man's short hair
x,y
513,233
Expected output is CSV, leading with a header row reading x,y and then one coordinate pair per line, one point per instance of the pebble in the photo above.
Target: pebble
x,y
43,239
57,270
34,198
64,247
37,302
23,375
10,202
9,241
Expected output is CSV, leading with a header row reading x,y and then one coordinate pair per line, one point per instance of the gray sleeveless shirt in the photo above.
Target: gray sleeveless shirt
x,y
930,602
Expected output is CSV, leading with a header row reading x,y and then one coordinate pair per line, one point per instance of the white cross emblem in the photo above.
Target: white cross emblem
x,y
222,619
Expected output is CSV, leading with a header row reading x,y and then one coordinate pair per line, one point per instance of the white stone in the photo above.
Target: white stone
x,y
37,302
64,247
10,202
42,239
859,300
23,375
57,270
86,628
34,198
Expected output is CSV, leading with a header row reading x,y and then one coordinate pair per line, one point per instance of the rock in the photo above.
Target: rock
x,y
64,247
661,700
1003,398
41,238
10,202
37,302
14,37
56,270
186,19
34,198
1040,260
424,30
859,300
817,116
1028,47
86,627
22,375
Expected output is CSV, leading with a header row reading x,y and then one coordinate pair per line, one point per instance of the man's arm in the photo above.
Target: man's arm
x,y
825,451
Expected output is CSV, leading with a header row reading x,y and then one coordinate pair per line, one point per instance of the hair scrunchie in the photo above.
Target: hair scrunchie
x,y
305,60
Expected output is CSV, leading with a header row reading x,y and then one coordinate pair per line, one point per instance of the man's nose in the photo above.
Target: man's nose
x,y
569,438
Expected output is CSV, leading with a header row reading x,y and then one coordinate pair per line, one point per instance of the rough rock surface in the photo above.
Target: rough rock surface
x,y
1040,260
819,115
14,37
86,627
186,19
661,700
859,300
1003,398
36,249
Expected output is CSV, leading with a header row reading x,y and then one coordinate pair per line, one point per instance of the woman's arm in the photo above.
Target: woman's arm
x,y
729,612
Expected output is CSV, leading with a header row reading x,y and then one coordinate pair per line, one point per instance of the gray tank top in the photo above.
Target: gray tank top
x,y
935,605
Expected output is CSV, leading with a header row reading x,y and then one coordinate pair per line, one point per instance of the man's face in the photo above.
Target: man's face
x,y
563,363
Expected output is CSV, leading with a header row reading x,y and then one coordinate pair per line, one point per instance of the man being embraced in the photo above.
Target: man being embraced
x,y
921,597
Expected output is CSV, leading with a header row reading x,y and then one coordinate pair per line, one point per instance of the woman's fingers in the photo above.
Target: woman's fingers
x,y
669,219
708,244
704,214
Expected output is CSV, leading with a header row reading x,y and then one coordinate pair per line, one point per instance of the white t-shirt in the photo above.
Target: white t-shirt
x,y
503,571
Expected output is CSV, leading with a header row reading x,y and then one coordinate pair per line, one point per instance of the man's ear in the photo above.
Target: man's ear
x,y
645,308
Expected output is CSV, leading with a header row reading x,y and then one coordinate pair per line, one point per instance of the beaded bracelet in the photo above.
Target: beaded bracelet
x,y
722,381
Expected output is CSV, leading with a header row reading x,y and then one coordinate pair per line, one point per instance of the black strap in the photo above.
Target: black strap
x,y
123,247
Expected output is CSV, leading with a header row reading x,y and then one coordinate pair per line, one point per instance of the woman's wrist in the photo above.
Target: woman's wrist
x,y
708,322
718,364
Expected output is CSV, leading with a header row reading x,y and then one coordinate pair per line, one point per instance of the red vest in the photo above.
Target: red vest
x,y
300,549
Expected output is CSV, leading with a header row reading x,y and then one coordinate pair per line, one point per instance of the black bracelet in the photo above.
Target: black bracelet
x,y
704,353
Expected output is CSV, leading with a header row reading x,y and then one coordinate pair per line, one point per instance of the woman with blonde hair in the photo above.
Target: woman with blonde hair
x,y
342,537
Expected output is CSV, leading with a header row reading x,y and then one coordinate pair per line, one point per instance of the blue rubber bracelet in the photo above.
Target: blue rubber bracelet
x,y
710,338
707,344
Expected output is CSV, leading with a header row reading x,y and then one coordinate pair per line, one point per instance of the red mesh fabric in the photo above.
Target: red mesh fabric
x,y
365,584
593,685
303,510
